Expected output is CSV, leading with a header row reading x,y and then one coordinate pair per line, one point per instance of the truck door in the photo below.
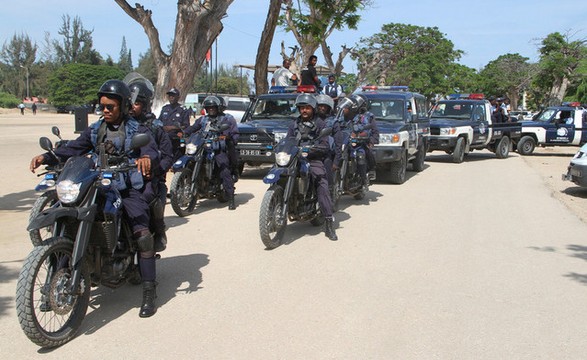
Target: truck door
x,y
480,124
581,118
561,131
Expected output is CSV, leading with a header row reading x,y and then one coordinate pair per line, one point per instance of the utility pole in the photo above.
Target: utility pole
x,y
26,69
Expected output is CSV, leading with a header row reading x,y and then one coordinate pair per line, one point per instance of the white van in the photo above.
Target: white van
x,y
236,106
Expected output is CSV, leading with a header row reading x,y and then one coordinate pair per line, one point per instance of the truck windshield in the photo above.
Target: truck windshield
x,y
452,111
275,109
545,115
388,110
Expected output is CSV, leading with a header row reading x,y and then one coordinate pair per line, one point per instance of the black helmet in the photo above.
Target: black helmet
x,y
306,99
322,99
142,92
222,106
360,102
211,101
119,90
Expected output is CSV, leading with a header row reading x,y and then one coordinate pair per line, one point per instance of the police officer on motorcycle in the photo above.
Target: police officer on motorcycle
x,y
325,106
214,118
232,151
362,118
112,134
309,125
175,119
141,110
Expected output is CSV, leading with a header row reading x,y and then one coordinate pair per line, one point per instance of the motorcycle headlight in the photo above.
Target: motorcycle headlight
x,y
190,149
387,139
282,158
279,136
448,131
67,191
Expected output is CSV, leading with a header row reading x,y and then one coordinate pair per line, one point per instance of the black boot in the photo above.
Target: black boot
x,y
160,240
329,229
231,204
148,307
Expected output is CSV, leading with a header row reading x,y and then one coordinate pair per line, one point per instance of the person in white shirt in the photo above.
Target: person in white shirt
x,y
283,76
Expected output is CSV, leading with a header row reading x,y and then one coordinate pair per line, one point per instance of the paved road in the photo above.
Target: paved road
x,y
480,260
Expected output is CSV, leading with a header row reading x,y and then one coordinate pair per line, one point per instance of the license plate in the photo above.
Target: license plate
x,y
250,152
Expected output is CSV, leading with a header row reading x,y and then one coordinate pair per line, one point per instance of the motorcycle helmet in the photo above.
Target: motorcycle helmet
x,y
345,103
306,99
211,101
143,94
222,106
119,90
360,103
325,100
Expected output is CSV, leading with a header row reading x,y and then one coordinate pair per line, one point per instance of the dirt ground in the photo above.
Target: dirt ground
x,y
551,163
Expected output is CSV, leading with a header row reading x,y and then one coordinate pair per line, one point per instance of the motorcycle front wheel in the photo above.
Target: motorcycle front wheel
x,y
182,200
271,223
48,314
46,200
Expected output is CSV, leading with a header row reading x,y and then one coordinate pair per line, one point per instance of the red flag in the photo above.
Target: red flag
x,y
209,55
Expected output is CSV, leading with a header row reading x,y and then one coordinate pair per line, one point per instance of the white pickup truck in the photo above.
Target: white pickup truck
x,y
459,126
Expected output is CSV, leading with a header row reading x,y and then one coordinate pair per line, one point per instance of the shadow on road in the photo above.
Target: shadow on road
x,y
471,157
7,275
176,274
579,251
576,191
20,201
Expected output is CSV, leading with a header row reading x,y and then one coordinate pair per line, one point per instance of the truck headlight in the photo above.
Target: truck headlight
x,y
387,139
282,158
448,131
67,191
191,149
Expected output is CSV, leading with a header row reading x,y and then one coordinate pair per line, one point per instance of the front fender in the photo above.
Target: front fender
x,y
274,175
182,162
51,215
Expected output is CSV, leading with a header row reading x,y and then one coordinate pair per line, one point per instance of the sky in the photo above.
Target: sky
x,y
484,30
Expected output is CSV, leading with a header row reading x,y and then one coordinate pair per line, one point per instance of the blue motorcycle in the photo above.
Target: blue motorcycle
x,y
91,244
347,179
196,173
292,194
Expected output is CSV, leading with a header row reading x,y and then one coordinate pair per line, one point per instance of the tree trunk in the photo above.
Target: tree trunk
x,y
197,26
558,91
262,60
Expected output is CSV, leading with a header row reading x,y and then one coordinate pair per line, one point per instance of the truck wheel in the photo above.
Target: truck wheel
x,y
418,162
526,145
458,153
502,149
398,170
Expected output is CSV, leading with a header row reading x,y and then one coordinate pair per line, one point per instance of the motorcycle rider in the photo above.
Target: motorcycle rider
x,y
214,118
232,151
175,119
308,124
141,110
113,132
362,118
325,106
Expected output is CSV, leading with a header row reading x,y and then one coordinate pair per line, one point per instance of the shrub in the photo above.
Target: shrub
x,y
8,100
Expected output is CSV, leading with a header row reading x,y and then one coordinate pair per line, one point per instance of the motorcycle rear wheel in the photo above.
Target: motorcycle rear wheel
x,y
271,223
41,303
335,190
46,200
182,201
